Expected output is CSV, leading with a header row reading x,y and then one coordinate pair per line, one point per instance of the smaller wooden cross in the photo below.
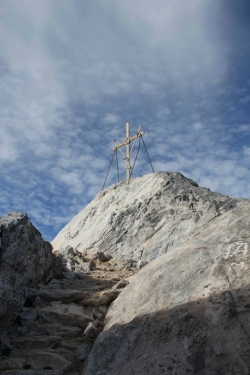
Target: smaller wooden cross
x,y
126,143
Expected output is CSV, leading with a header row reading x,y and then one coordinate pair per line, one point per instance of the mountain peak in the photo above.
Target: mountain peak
x,y
145,218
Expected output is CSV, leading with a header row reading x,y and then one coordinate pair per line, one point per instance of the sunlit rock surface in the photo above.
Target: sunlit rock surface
x,y
187,311
184,311
150,216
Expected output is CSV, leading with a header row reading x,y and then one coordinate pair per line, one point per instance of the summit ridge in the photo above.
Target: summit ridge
x,y
145,218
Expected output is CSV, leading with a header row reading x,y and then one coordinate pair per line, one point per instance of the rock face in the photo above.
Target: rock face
x,y
55,330
25,260
148,217
185,308
187,311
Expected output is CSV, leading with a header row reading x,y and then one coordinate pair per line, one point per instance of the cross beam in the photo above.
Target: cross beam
x,y
126,143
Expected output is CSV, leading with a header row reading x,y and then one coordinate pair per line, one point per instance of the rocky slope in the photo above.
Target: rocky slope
x,y
148,217
187,311
55,330
174,258
25,260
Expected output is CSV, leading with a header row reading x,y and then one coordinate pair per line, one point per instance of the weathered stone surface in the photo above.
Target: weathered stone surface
x,y
25,260
54,361
66,250
187,312
33,372
92,265
28,314
83,351
103,299
51,332
34,342
121,284
91,331
65,296
150,216
12,363
142,263
192,303
102,257
65,314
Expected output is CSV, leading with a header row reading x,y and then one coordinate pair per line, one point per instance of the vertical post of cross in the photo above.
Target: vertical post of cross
x,y
127,152
126,143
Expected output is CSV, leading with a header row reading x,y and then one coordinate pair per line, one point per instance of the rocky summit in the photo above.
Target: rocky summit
x,y
155,281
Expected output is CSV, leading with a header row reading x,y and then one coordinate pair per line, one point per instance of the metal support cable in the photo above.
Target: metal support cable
x,y
147,154
108,170
136,157
132,147
117,166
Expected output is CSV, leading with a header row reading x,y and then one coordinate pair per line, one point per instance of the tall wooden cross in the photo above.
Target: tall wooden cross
x,y
126,143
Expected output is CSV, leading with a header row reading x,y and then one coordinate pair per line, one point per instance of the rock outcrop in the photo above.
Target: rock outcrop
x,y
148,217
55,330
187,310
25,260
156,281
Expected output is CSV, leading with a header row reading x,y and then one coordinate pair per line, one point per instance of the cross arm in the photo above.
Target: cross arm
x,y
128,140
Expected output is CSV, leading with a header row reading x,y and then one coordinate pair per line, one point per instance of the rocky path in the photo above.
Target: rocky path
x,y
60,321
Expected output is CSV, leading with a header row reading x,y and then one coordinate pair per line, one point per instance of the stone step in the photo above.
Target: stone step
x,y
28,314
65,296
38,328
45,342
32,372
61,330
46,359
25,353
71,344
34,342
12,364
70,315
47,337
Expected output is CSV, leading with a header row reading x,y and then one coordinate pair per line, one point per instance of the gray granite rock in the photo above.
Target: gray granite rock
x,y
25,260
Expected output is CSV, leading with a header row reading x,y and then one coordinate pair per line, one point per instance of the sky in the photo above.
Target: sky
x,y
72,73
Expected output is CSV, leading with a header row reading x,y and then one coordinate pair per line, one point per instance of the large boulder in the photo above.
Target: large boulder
x,y
25,260
187,312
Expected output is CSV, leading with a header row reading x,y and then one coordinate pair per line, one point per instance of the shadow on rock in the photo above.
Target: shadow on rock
x,y
207,336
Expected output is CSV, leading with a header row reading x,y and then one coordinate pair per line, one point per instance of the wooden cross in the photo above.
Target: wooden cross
x,y
126,143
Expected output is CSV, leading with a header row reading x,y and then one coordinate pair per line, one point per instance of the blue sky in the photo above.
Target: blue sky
x,y
73,72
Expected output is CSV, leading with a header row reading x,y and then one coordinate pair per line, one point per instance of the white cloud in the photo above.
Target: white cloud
x,y
71,76
198,125
111,118
246,151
